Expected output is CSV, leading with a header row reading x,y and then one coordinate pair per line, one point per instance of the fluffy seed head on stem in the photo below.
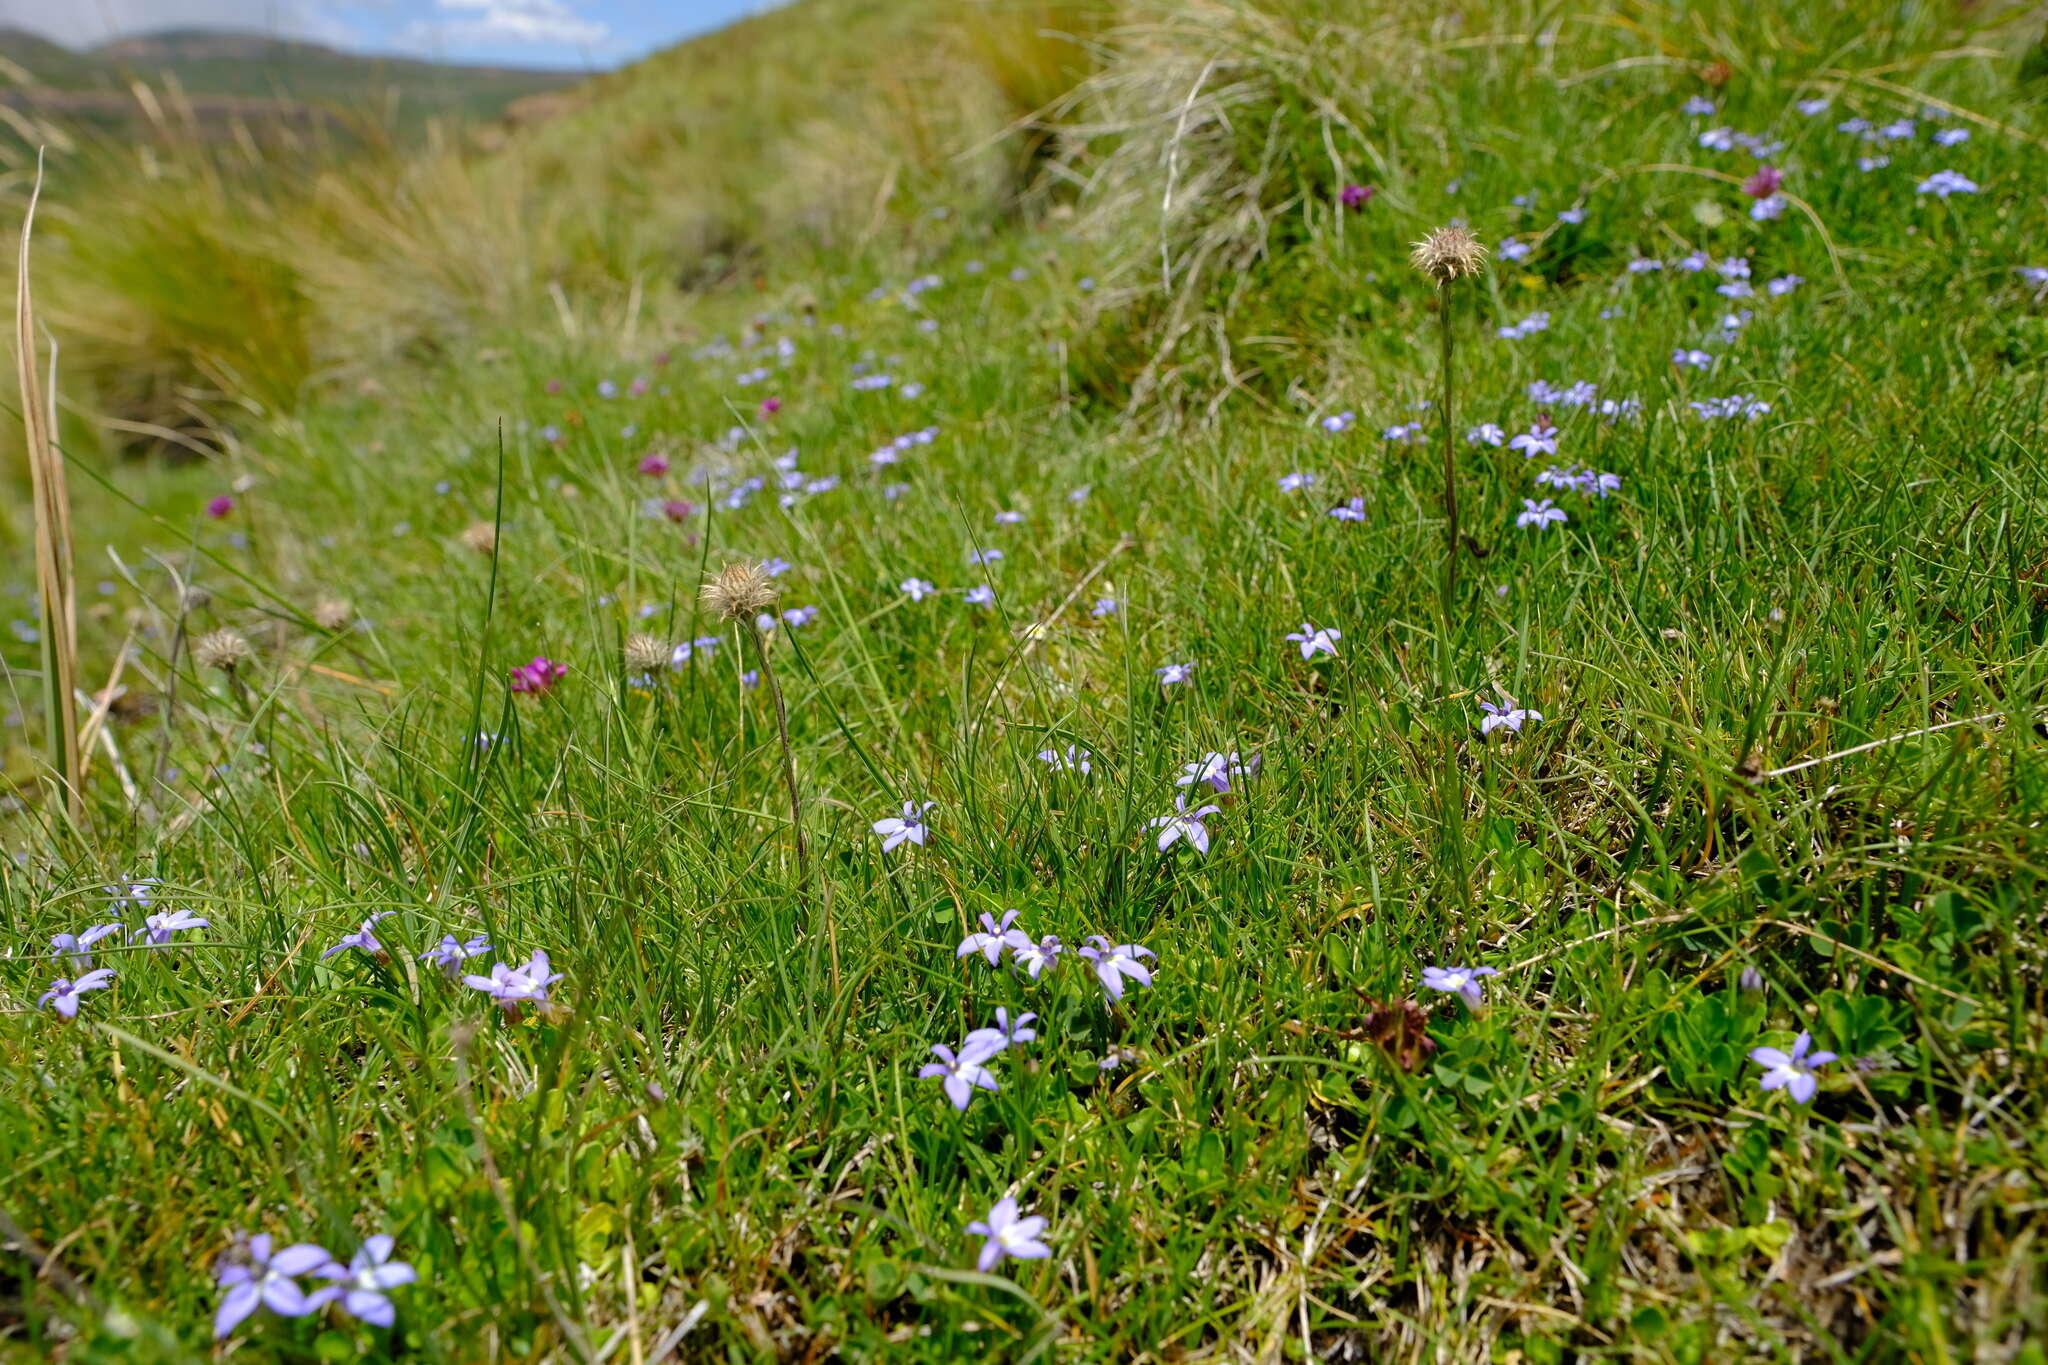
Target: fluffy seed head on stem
x,y
740,591
1447,254
480,537
644,652
223,649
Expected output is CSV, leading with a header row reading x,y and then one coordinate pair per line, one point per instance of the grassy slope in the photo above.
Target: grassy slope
x,y
1584,1167
203,63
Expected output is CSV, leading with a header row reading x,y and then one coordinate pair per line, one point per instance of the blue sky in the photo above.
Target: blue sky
x,y
565,33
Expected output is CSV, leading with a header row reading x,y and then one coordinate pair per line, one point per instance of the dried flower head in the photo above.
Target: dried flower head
x,y
740,591
1447,254
644,652
1401,1029
332,613
223,649
481,537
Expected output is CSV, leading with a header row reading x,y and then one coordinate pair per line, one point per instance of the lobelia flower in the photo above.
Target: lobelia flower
x,y
982,595
1034,958
1314,641
1008,1235
134,893
509,986
995,935
1950,137
1007,1032
362,938
799,616
1338,422
363,1283
916,589
1942,184
1539,513
1512,250
1769,207
262,1280
1791,1071
159,927
1463,980
1403,431
63,993
1505,717
1074,760
1217,770
910,825
1695,359
538,677
988,556
1353,510
1540,439
1104,606
449,955
1295,482
1485,434
1170,674
1183,824
962,1073
1114,962
74,945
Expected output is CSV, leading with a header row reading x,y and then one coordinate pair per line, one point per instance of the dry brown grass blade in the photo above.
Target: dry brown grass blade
x,y
53,532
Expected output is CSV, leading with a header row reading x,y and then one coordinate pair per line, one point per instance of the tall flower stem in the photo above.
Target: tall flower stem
x,y
796,804
1450,585
1446,256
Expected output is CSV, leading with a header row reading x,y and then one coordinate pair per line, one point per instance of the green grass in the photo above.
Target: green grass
x,y
713,1133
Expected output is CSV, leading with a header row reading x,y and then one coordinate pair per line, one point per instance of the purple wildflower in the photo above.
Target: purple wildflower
x,y
74,945
539,676
261,1280
449,955
367,1277
159,927
1034,958
63,993
910,825
1008,1235
1116,961
961,1073
995,935
1314,641
1463,980
1539,513
1183,824
1791,1071
1505,717
362,938
511,985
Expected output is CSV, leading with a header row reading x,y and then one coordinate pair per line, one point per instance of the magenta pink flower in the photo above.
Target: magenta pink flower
x,y
220,506
675,509
654,465
770,406
539,676
1356,196
1764,183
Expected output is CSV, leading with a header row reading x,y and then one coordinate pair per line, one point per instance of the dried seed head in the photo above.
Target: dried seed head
x,y
644,652
332,613
223,649
1448,254
481,537
740,591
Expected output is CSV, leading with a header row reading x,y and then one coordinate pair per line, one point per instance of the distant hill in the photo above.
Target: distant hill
x,y
229,74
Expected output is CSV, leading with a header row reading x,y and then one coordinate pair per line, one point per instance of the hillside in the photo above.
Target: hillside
x,y
1054,681
224,71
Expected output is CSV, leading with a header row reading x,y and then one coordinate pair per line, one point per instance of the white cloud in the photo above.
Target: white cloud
x,y
491,23
83,24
